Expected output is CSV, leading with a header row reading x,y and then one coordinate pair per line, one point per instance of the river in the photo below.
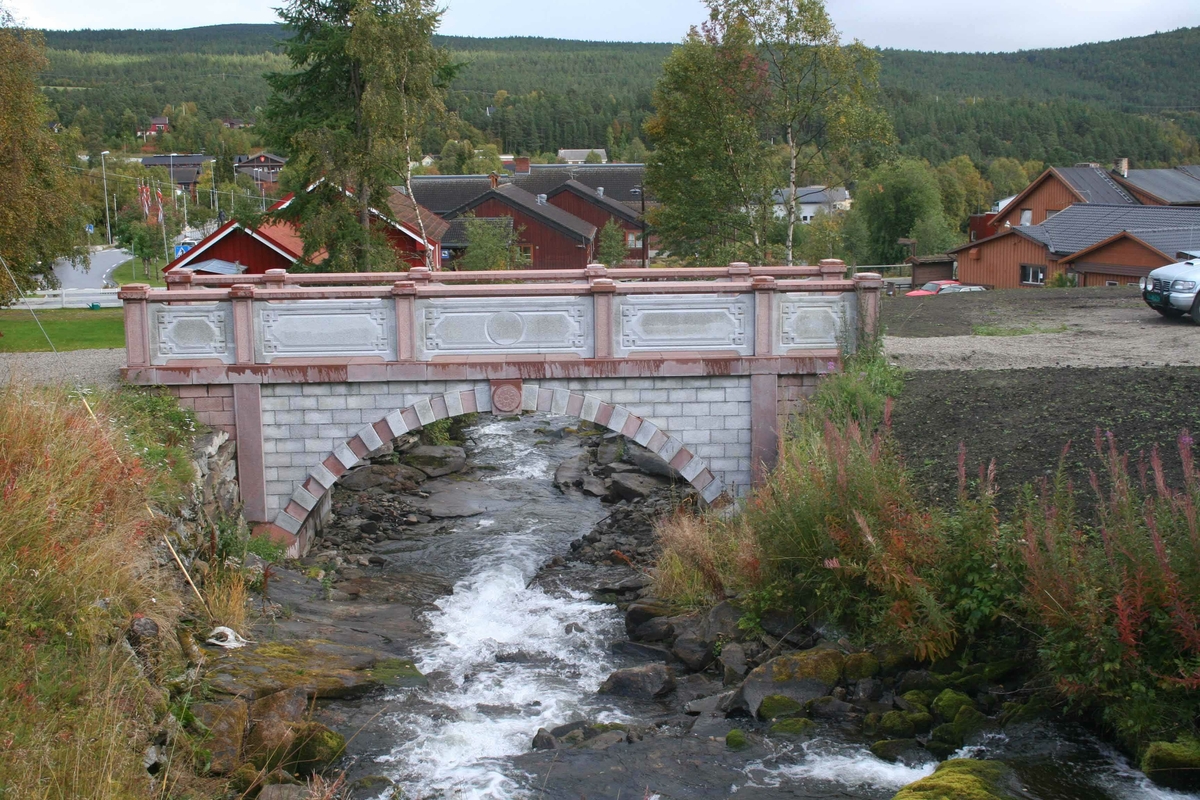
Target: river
x,y
507,655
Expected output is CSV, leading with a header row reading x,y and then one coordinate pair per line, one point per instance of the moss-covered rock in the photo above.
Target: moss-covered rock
x,y
321,668
1034,709
904,751
315,748
1173,764
895,725
242,778
793,727
963,779
398,672
736,739
861,665
969,721
871,723
922,721
947,734
776,706
802,676
893,658
919,698
947,704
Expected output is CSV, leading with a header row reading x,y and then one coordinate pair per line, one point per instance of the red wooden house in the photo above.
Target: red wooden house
x,y
234,249
592,205
550,237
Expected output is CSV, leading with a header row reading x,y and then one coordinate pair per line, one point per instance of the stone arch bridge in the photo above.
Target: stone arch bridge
x,y
310,373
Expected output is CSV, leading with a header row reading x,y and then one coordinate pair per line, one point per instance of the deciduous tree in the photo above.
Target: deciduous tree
x,y
821,93
41,211
892,201
492,244
611,249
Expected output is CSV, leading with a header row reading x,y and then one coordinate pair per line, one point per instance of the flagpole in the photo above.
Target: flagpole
x,y
162,221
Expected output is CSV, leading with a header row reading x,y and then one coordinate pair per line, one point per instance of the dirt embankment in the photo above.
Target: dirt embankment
x,y
1023,328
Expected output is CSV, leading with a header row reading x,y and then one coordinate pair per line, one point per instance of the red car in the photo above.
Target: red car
x,y
933,287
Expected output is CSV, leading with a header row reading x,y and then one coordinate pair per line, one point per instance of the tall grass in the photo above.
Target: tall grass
x,y
75,568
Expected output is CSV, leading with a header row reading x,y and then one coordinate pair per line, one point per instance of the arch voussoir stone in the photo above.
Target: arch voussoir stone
x,y
561,402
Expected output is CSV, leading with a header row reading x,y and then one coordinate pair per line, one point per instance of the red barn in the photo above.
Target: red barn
x,y
550,237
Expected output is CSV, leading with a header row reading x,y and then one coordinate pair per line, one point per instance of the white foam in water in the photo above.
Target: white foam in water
x,y
517,458
494,612
830,762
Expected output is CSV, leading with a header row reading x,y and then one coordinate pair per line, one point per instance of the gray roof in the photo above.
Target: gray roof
x,y
614,207
216,266
456,235
180,160
1190,169
1095,185
1174,186
444,193
579,154
518,198
1169,228
618,180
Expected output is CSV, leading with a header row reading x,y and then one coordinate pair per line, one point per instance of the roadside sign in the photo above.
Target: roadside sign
x,y
91,228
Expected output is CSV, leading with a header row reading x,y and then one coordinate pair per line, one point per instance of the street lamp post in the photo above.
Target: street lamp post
x,y
640,191
104,173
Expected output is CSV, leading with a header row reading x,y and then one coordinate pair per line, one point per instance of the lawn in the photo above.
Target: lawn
x,y
69,329
132,271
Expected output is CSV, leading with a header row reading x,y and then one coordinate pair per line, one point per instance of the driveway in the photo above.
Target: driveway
x,y
103,264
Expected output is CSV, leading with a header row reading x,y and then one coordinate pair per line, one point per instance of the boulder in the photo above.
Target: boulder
x,y
694,651
802,676
1173,764
437,460
543,740
733,659
569,474
594,486
947,704
398,477
776,706
226,723
658,629
644,611
320,667
604,740
830,708
721,623
570,727
609,451
860,666
964,778
736,740
896,725
650,463
274,721
644,682
635,486
868,690
909,753
797,726
315,748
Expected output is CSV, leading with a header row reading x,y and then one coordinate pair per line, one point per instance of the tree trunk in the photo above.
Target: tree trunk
x,y
791,205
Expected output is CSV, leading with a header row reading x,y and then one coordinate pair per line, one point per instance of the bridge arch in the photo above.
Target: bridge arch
x,y
496,397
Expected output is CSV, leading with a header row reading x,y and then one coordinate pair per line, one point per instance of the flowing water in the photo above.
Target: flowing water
x,y
505,658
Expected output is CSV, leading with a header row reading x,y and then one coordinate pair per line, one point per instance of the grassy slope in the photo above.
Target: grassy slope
x,y
69,329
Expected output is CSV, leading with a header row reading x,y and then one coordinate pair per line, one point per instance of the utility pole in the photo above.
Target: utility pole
x,y
107,220
640,191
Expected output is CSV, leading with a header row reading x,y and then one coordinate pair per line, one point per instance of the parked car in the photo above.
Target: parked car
x,y
1172,290
962,288
933,287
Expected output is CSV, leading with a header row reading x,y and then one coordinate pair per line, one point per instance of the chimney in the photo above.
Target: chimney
x,y
495,179
521,165
541,199
600,191
1122,167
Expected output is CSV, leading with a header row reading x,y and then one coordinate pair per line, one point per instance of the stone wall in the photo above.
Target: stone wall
x,y
794,391
303,423
212,404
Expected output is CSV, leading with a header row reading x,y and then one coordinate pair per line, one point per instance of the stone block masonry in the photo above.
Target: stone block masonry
x,y
297,438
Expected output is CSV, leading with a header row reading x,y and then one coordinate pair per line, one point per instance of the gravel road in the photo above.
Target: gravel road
x,y
1092,328
86,367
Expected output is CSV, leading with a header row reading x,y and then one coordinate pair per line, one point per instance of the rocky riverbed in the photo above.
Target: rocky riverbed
x,y
480,622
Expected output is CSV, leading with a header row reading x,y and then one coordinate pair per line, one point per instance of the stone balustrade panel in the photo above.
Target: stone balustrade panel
x,y
663,323
324,328
806,321
200,331
505,325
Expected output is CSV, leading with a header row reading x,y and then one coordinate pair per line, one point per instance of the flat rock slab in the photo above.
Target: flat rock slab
x,y
321,668
451,499
437,460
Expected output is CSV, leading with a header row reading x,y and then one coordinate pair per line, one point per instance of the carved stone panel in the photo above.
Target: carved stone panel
x,y
685,322
195,331
325,328
517,325
812,321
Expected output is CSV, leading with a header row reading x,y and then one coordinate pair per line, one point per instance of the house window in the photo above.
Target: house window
x,y
632,240
1050,212
1026,216
1033,275
1111,283
526,252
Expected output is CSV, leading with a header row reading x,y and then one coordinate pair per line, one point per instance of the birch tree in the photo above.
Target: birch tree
x,y
823,93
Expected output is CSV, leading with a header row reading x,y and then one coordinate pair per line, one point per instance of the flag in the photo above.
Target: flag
x,y
158,193
144,197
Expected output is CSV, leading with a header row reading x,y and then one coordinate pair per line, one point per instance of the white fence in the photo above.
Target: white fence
x,y
70,298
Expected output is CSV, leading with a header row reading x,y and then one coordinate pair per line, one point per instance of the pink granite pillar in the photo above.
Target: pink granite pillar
x,y
137,323
242,295
603,293
247,418
764,426
405,295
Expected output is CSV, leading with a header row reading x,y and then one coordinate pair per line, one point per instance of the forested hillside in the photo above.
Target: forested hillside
x,y
1134,97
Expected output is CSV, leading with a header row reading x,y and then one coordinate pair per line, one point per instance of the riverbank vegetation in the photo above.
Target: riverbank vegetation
x,y
82,598
1105,603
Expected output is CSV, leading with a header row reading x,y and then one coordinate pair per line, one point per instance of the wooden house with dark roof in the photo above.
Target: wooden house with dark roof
x,y
550,237
1058,188
596,207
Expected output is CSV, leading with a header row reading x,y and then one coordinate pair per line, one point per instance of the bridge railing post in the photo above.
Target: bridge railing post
x,y
420,275
738,269
180,279
868,286
242,296
137,323
275,278
764,314
405,295
603,292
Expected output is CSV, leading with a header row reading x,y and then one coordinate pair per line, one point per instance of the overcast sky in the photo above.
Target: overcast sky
x,y
951,25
